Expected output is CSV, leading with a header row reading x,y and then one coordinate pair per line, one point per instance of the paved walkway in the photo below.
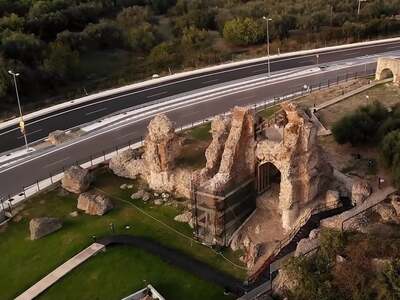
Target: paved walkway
x,y
58,273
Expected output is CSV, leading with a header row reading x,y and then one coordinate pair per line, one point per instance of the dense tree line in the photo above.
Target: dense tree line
x,y
46,39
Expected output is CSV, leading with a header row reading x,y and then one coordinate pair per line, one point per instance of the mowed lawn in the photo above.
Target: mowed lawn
x,y
110,275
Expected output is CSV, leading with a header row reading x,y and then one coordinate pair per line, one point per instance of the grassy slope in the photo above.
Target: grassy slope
x,y
25,261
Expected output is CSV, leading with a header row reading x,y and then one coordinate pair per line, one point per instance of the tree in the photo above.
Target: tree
x,y
12,22
4,78
164,55
24,47
243,32
104,35
133,16
141,38
61,61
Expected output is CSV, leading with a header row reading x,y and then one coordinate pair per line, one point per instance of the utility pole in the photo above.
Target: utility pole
x,y
269,63
21,118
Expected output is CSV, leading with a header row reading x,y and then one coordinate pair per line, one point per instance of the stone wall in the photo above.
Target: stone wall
x,y
385,65
304,173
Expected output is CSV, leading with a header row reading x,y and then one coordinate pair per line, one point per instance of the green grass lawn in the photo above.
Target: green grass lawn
x,y
269,112
122,270
23,262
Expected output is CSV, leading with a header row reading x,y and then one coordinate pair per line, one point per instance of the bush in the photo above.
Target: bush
x,y
20,46
243,32
360,127
61,61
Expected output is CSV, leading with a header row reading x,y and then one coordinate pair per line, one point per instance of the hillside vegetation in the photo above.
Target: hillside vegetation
x,y
66,48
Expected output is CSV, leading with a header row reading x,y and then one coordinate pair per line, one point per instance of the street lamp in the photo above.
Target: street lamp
x,y
21,121
359,6
269,64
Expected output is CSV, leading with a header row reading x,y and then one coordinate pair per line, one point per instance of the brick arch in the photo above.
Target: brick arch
x,y
386,67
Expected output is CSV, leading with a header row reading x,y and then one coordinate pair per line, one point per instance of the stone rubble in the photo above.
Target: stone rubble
x,y
360,191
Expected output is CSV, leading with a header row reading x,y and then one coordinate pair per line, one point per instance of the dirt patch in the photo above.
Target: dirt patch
x,y
388,94
318,97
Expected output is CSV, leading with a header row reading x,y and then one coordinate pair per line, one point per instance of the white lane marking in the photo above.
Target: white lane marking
x,y
56,162
96,111
149,115
210,81
29,133
231,69
259,70
158,94
276,60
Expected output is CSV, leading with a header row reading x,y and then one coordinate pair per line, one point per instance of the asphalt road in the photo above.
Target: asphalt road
x,y
13,179
40,127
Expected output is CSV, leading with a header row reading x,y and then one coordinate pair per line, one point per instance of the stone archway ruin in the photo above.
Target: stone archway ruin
x,y
387,68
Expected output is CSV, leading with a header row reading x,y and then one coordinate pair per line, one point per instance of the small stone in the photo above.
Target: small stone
x,y
156,194
158,202
146,197
123,186
257,230
138,195
73,214
129,186
165,195
185,217
340,259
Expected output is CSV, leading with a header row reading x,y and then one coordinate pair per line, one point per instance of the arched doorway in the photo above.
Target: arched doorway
x,y
267,175
386,73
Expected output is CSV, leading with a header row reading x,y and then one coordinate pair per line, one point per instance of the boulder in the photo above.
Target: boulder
x,y
387,213
158,201
94,204
141,194
308,245
60,136
76,180
360,191
40,227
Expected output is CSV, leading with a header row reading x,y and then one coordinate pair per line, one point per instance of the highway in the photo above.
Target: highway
x,y
51,161
40,127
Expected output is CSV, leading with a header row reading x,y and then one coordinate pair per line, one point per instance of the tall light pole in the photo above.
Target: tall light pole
x,y
359,6
269,64
21,120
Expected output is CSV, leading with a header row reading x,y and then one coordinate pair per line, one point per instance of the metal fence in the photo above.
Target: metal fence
x,y
8,201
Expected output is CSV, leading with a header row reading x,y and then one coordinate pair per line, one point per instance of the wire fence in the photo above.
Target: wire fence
x,y
42,183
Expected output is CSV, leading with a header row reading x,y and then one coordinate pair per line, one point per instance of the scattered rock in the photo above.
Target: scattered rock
x,y
123,186
156,194
396,203
146,197
125,164
129,186
73,214
40,227
360,191
308,245
257,230
141,194
165,195
332,199
380,264
158,201
387,213
185,217
340,259
94,204
76,180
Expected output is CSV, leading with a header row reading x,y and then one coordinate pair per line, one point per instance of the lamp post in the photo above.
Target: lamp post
x,y
269,64
21,121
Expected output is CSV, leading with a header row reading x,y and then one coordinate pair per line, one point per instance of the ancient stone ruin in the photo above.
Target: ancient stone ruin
x,y
240,162
387,68
157,164
292,148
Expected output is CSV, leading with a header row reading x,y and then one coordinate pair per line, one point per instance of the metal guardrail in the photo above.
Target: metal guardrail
x,y
102,156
